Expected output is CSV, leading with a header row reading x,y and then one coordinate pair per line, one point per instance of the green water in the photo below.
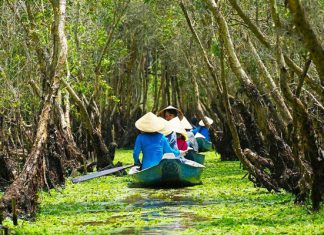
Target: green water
x,y
224,204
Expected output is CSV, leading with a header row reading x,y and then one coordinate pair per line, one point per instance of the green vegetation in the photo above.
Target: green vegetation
x,y
224,203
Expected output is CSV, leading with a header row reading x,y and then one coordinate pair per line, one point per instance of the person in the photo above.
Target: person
x,y
150,142
169,134
192,142
177,127
181,142
202,129
202,135
169,113
194,122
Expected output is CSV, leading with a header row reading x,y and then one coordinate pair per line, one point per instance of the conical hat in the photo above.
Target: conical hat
x,y
149,123
167,130
209,121
169,107
176,126
161,113
186,125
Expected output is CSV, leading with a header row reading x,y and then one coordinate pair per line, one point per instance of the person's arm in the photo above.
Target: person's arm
x,y
137,150
167,148
194,131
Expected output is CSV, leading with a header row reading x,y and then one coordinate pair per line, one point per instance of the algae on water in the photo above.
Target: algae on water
x,y
224,204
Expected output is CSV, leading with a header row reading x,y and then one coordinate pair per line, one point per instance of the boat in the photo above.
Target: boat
x,y
194,156
204,145
171,171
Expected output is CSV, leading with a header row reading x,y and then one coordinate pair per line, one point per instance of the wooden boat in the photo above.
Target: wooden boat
x,y
194,156
171,171
204,145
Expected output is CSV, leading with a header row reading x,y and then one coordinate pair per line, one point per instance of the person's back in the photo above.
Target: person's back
x,y
153,146
202,130
182,144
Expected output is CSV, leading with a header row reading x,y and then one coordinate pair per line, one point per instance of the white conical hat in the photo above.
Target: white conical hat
x,y
177,127
209,120
149,123
167,130
185,123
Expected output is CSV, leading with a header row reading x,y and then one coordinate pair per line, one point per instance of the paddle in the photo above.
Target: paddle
x,y
99,173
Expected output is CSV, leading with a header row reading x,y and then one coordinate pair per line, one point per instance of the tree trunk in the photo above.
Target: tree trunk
x,y
318,88
25,187
309,38
8,170
93,127
310,156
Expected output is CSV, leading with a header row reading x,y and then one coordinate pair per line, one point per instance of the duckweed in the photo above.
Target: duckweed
x,y
224,204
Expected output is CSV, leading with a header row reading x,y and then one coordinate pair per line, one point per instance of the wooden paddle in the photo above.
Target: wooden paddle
x,y
99,173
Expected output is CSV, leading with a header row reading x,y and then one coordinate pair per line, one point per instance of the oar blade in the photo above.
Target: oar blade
x,y
99,173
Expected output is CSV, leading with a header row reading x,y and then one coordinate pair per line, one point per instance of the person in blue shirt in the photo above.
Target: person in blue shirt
x,y
150,142
202,129
202,135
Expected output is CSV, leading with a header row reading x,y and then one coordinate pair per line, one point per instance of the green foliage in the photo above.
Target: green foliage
x,y
215,49
224,204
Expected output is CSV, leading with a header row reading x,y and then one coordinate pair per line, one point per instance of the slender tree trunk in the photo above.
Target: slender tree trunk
x,y
309,38
248,86
274,90
104,158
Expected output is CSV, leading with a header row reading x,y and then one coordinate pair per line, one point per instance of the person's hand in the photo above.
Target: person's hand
x,y
183,153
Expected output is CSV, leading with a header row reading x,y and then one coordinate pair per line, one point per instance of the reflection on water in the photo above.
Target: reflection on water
x,y
165,209
168,204
182,220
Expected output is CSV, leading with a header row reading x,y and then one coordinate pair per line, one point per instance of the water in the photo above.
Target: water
x,y
172,201
160,205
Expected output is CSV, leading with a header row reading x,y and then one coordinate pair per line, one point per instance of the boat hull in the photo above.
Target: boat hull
x,y
194,156
204,145
169,172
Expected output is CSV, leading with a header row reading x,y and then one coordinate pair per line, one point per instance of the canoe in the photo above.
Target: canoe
x,y
171,171
204,145
194,156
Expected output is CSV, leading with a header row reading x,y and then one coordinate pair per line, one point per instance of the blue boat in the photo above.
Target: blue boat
x,y
171,171
194,156
204,145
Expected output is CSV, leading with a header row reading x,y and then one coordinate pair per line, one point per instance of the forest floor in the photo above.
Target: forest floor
x,y
224,204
